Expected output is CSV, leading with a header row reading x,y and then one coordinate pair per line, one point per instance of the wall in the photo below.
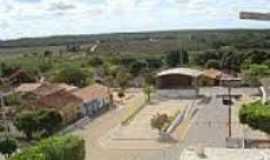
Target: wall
x,y
179,93
93,107
174,81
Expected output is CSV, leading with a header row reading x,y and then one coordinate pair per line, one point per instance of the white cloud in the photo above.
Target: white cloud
x,y
46,17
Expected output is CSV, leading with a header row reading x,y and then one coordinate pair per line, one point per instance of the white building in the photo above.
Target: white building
x,y
96,98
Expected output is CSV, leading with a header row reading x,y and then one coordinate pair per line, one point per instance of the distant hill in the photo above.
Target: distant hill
x,y
81,39
150,42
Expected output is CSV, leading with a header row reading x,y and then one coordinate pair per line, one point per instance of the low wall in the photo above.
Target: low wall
x,y
178,93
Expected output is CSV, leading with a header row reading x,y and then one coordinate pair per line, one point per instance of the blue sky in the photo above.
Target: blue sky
x,y
34,18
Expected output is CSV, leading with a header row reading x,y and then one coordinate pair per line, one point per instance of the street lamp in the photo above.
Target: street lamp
x,y
229,82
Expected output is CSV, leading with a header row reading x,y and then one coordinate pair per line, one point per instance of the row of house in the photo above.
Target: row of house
x,y
70,101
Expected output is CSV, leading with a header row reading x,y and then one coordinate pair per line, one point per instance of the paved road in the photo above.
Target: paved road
x,y
209,127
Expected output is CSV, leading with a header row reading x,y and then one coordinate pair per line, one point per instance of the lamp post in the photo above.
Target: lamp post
x,y
230,111
228,82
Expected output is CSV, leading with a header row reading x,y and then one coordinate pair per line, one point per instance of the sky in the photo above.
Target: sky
x,y
35,18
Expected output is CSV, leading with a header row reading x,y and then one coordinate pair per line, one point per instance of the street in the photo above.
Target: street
x,y
208,128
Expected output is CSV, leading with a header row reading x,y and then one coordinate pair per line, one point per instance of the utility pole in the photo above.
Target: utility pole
x,y
230,111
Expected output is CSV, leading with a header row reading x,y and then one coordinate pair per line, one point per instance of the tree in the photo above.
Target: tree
x,y
256,115
95,61
149,79
136,67
49,121
71,75
159,120
255,72
8,146
123,78
212,63
177,57
27,122
148,90
201,58
185,56
45,66
48,53
54,148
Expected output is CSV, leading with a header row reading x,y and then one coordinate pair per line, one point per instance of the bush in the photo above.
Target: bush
x,y
72,75
95,61
2,128
8,146
13,100
212,63
55,148
159,120
46,121
27,123
256,115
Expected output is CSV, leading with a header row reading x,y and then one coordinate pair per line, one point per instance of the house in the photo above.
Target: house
x,y
96,98
184,81
67,104
224,154
211,77
51,96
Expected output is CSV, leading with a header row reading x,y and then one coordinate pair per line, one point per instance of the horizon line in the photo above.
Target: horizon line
x,y
130,32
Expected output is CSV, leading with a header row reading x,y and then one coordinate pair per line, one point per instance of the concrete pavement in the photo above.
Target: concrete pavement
x,y
208,127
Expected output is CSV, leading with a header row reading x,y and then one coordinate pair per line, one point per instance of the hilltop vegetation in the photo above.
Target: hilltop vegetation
x,y
110,56
150,42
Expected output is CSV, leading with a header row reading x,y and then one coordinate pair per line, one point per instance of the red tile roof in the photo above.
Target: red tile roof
x,y
93,92
59,99
46,89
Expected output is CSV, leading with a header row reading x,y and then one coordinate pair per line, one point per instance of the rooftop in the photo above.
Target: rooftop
x,y
27,87
92,92
180,71
46,89
212,73
60,99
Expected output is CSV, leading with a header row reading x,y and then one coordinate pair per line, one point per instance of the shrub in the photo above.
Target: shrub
x,y
212,63
95,61
2,128
136,67
256,115
46,121
7,146
72,75
159,120
27,123
55,148
13,100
